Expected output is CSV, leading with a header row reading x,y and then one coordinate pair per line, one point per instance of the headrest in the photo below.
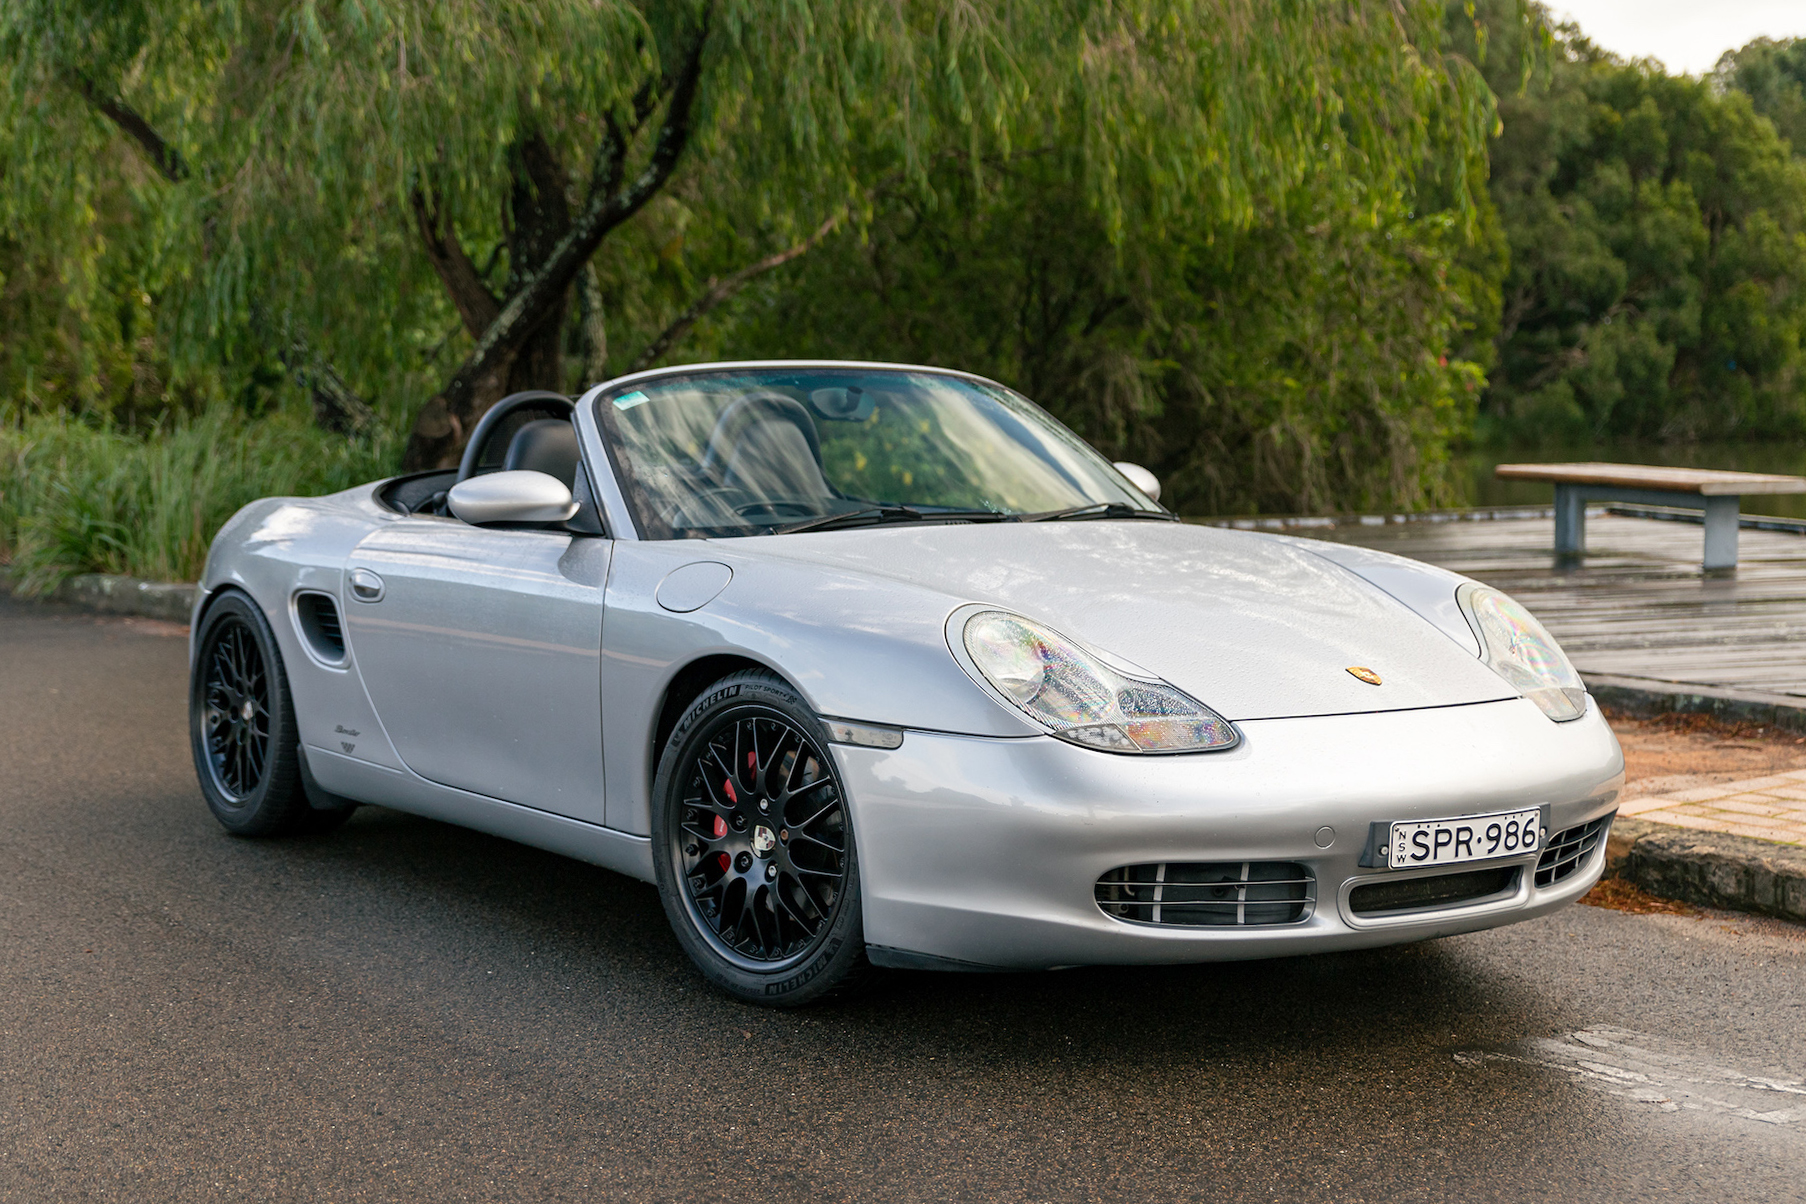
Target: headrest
x,y
549,446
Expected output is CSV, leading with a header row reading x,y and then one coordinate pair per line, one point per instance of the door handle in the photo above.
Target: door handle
x,y
366,586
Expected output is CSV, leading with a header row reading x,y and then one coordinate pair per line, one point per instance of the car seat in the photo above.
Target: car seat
x,y
548,445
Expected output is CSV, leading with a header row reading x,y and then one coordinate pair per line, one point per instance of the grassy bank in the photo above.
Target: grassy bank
x,y
76,498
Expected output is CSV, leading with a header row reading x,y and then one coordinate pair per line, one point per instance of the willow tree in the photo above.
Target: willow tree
x,y
341,176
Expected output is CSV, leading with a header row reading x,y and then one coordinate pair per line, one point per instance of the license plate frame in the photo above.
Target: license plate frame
x,y
1412,844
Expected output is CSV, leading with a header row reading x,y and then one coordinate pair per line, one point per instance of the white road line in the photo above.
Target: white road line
x,y
1647,1069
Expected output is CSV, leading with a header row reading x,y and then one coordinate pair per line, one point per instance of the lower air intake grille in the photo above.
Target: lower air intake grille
x,y
1422,894
1194,894
1569,850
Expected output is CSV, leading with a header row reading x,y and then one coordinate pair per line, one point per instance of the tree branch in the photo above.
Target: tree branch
x,y
611,152
527,307
475,303
336,407
595,326
719,289
164,157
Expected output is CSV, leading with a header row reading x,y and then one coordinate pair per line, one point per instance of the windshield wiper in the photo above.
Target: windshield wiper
x,y
1100,510
874,515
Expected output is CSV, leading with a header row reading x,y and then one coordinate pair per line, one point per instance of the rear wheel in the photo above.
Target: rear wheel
x,y
753,846
242,727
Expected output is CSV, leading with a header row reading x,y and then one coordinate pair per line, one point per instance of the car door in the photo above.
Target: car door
x,y
480,650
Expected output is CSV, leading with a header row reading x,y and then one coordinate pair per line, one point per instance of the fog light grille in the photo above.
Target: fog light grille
x,y
1425,894
1193,894
1569,850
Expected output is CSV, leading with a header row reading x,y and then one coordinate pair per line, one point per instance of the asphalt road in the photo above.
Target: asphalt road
x,y
408,1011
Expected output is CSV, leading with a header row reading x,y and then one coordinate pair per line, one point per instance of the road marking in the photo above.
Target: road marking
x,y
1648,1069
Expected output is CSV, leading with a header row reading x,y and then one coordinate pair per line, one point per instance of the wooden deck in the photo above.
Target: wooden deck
x,y
1638,608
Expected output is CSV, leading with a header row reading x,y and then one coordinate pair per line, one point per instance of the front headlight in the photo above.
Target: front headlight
x,y
1518,649
1077,697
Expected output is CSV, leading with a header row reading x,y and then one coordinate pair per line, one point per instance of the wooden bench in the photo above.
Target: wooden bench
x,y
1706,489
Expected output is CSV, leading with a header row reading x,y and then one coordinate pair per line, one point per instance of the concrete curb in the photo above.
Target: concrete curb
x,y
1641,697
113,594
1712,869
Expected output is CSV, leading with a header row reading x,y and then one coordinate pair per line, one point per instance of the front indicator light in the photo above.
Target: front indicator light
x,y
1521,651
1077,697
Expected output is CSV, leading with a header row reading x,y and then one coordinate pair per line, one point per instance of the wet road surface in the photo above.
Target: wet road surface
x,y
409,1011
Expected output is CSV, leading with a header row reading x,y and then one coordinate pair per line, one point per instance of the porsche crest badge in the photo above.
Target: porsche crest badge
x,y
1365,674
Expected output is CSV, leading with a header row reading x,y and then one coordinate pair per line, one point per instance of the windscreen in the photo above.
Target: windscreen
x,y
752,452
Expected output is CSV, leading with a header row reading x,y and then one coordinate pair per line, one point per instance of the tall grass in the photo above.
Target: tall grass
x,y
75,498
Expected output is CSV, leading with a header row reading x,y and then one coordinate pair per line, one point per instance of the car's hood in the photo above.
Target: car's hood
x,y
1253,626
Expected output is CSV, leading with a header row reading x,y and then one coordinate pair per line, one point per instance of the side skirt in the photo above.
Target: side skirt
x,y
367,783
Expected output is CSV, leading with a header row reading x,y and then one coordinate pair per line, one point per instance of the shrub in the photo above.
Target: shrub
x,y
77,497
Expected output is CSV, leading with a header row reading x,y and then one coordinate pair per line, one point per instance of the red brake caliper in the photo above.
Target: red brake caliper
x,y
720,830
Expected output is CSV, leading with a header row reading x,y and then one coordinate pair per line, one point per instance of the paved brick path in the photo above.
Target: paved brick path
x,y
1768,808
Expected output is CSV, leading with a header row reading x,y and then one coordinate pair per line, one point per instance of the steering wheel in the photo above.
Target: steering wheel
x,y
747,411
552,405
781,508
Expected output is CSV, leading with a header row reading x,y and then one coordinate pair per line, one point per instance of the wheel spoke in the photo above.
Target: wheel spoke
x,y
765,943
757,764
808,926
807,789
802,885
740,751
798,834
788,742
799,765
714,792
707,838
831,805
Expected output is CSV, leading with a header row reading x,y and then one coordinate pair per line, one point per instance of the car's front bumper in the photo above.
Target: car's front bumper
x,y
985,852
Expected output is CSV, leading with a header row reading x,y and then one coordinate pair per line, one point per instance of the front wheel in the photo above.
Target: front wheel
x,y
753,845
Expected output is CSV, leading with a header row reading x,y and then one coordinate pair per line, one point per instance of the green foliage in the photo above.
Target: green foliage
x,y
1657,231
1251,243
1773,75
1303,363
306,125
82,498
1297,346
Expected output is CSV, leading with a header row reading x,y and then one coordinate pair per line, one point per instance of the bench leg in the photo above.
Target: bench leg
x,y
1721,532
1570,521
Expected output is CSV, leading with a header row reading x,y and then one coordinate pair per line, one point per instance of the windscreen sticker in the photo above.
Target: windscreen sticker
x,y
627,401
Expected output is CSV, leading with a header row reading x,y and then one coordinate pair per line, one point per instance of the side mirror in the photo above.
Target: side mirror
x,y
511,497
1140,477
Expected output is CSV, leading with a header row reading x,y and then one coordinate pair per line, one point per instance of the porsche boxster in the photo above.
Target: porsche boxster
x,y
875,665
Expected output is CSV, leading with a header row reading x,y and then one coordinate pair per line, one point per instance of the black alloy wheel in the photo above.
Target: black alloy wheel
x,y
242,729
236,712
756,861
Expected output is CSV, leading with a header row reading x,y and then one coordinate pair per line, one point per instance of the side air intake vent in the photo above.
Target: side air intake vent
x,y
1569,851
318,616
1195,894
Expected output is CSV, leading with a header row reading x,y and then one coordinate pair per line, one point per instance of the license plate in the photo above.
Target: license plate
x,y
1470,838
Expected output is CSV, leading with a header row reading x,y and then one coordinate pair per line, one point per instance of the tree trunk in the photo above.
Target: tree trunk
x,y
531,323
540,220
595,329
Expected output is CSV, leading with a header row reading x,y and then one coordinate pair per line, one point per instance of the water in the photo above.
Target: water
x,y
1474,468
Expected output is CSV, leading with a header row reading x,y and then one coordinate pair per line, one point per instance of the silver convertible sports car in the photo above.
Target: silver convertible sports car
x,y
868,665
